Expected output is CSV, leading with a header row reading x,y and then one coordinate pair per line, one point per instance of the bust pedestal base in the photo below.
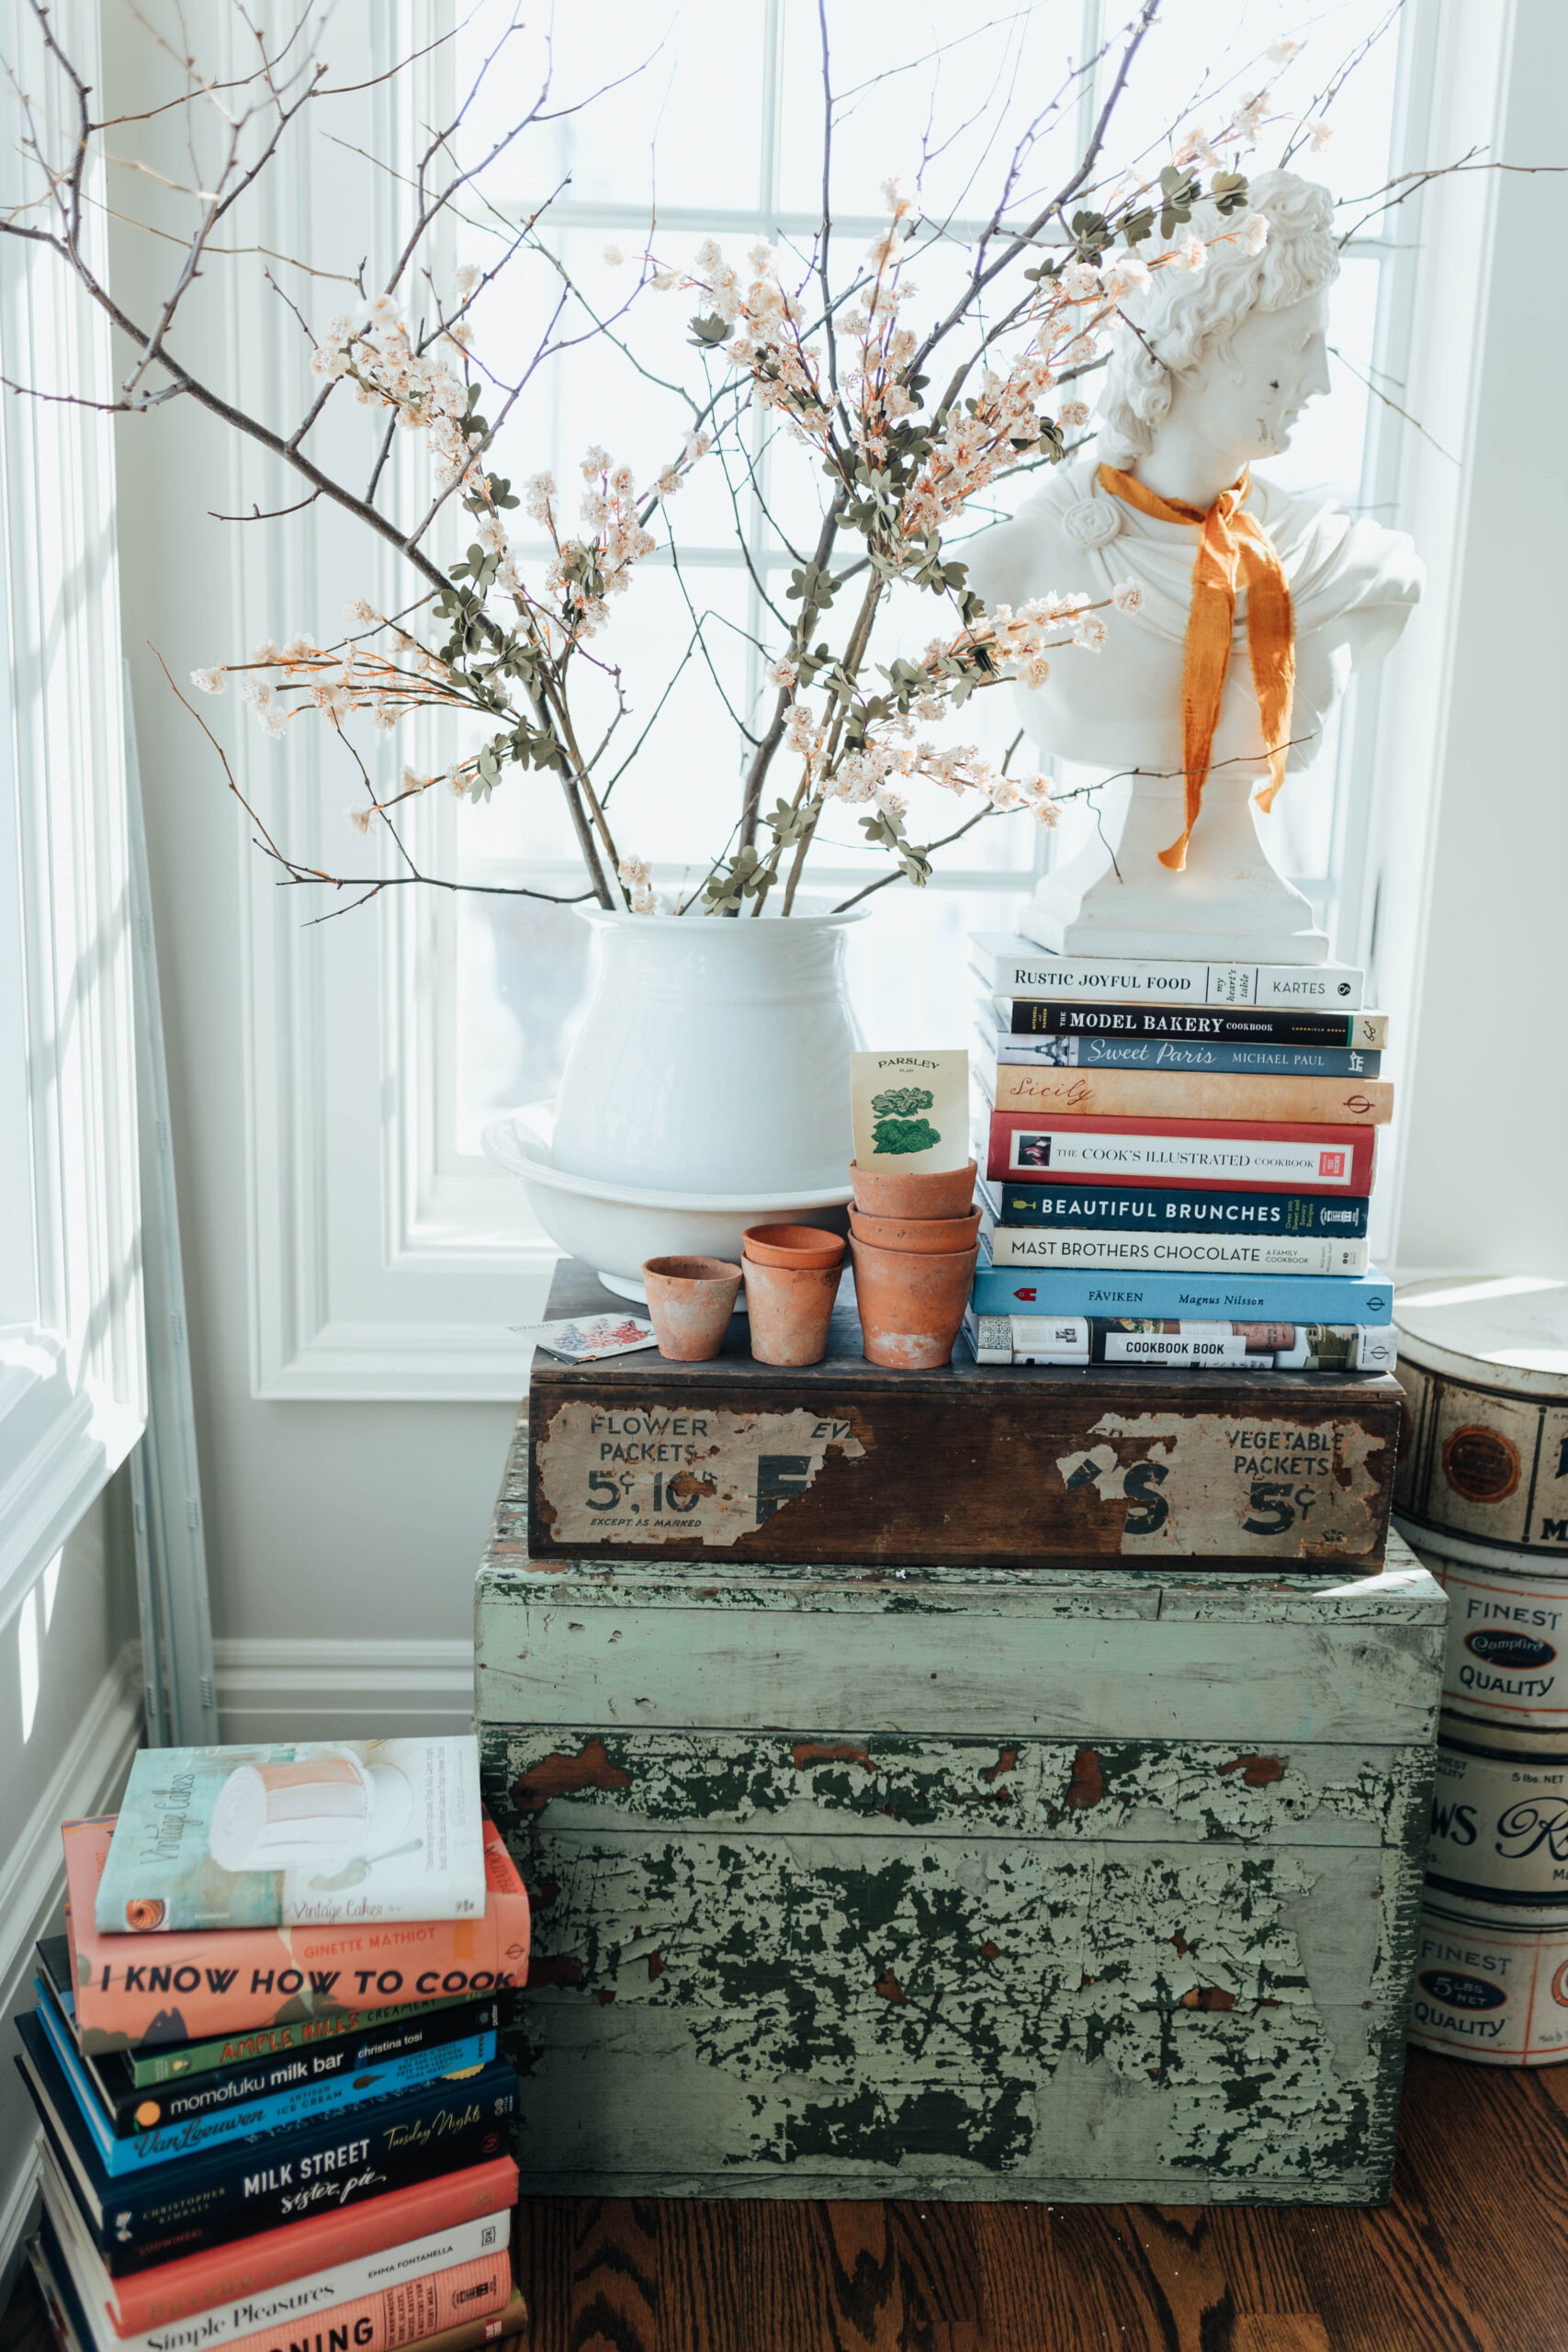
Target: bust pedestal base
x,y
1228,905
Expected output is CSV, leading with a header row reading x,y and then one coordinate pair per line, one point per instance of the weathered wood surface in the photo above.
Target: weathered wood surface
x,y
1472,2255
1033,1466
1005,1656
1052,1972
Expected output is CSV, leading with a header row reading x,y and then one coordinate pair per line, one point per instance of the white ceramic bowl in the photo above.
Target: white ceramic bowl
x,y
614,1227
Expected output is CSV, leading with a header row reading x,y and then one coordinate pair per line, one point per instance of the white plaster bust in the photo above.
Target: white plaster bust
x,y
1222,364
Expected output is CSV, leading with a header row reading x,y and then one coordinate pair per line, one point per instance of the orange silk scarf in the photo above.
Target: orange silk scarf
x,y
1229,540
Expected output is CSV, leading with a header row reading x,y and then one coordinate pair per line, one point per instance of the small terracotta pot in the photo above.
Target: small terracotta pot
x,y
789,1308
933,1236
899,1192
691,1301
911,1302
791,1245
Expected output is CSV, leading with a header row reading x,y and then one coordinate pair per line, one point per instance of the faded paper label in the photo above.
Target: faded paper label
x,y
911,1110
1226,1487
647,1474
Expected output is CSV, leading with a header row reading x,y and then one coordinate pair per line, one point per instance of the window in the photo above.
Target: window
x,y
748,168
391,1257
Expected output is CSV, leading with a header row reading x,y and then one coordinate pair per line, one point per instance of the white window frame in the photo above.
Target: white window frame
x,y
377,1269
73,1374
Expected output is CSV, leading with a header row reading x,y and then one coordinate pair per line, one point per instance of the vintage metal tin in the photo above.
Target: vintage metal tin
x,y
1483,1473
1507,1650
1495,1995
1500,1822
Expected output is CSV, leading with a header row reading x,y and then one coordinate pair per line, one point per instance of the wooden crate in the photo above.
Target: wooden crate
x,y
961,1884
844,1463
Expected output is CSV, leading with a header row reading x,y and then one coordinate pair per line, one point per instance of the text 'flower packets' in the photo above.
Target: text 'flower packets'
x,y
911,1110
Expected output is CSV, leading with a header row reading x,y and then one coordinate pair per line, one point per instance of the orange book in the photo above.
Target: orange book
x,y
180,1987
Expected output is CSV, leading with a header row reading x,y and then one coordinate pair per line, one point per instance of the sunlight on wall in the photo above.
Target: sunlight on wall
x,y
26,1661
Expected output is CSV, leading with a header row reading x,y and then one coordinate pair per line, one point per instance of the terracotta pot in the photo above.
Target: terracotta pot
x,y
791,1245
911,1302
934,1236
691,1301
789,1308
899,1192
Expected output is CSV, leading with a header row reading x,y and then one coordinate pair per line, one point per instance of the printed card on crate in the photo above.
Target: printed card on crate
x,y
911,1110
589,1338
304,1832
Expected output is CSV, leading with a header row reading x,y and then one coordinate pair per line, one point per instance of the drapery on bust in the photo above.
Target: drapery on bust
x,y
1207,377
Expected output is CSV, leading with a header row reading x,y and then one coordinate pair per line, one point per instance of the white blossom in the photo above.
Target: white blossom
x,y
1280,53
613,257
1126,595
465,279
1190,254
212,682
1072,415
1255,236
1319,133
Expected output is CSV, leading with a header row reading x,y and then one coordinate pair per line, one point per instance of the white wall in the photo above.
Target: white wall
x,y
1485,1170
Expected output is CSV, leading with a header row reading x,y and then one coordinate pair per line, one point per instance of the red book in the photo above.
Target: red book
x,y
222,2273
1205,1154
185,1986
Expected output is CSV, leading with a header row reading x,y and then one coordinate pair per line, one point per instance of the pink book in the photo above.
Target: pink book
x,y
222,2273
182,1986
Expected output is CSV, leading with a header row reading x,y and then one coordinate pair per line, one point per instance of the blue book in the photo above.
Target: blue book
x,y
1132,1209
1185,1298
338,2093
264,2181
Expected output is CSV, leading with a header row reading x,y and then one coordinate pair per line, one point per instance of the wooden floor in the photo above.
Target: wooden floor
x,y
1470,2257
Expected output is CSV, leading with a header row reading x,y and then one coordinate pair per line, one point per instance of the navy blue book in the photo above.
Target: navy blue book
x,y
1111,1208
276,2178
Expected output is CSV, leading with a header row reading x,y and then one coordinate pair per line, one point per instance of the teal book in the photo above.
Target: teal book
x,y
307,1833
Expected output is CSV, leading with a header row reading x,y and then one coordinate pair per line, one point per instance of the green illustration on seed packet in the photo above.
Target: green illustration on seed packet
x,y
911,1110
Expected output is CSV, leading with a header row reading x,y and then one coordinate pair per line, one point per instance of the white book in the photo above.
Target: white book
x,y
1013,967
295,2301
1305,1253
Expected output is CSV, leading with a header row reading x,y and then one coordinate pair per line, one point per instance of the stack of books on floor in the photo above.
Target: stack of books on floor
x,y
263,2057
1177,1163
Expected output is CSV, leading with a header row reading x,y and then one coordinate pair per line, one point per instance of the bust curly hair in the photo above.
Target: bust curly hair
x,y
1181,316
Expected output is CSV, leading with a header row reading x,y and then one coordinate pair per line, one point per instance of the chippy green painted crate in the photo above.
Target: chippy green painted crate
x,y
1100,1884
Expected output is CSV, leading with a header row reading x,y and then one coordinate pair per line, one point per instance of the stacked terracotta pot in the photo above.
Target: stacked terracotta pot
x,y
914,1243
792,1274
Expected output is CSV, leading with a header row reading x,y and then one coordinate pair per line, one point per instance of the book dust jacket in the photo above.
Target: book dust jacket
x,y
300,1834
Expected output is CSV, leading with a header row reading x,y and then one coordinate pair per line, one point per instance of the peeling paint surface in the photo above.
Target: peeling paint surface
x,y
879,1952
1215,1484
651,1475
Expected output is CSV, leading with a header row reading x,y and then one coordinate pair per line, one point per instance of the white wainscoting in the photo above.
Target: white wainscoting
x,y
271,1689
88,1780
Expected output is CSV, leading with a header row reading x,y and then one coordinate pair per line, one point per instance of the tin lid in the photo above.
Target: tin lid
x,y
1506,1331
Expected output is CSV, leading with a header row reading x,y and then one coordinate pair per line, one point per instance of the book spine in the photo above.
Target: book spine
x,y
170,2143
1187,1297
1218,1252
1173,1059
1310,987
199,2282
283,2044
1153,1208
1190,1094
1042,1017
281,2309
186,1987
133,2110
1257,1347
177,2208
237,2193
1220,1155
397,2316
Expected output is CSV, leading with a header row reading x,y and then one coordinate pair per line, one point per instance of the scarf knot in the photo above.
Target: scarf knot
x,y
1230,543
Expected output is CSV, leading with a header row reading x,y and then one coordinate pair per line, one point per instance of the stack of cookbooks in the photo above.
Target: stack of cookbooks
x,y
263,2057
1177,1163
